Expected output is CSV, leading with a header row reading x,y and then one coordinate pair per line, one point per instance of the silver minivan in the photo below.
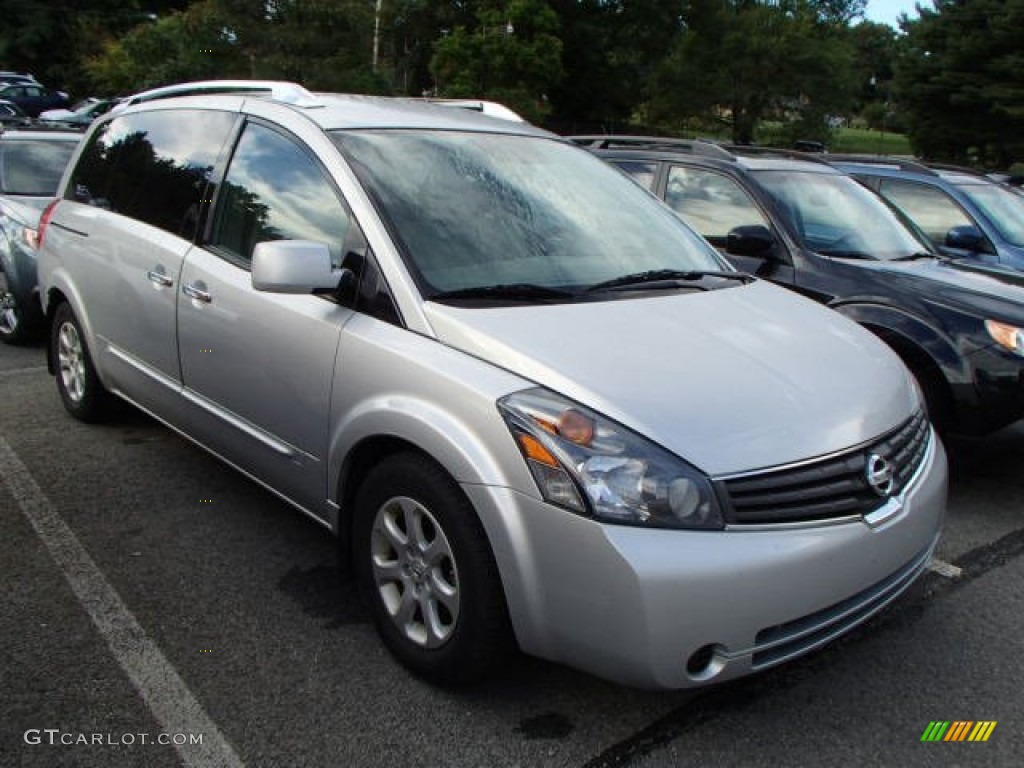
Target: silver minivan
x,y
538,411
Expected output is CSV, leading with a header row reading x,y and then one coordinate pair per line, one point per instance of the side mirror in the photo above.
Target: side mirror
x,y
295,266
751,240
966,238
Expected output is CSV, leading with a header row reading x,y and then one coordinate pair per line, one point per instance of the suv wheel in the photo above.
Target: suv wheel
x,y
80,389
18,324
426,571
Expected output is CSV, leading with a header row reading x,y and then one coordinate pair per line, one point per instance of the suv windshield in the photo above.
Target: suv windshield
x,y
1003,208
836,216
493,211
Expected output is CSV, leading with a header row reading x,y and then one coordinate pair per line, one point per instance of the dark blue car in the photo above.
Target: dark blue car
x,y
33,98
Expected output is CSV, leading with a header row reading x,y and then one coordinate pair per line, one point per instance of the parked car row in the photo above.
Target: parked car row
x,y
538,408
796,220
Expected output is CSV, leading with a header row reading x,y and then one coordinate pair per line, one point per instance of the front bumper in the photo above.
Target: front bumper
x,y
995,397
675,609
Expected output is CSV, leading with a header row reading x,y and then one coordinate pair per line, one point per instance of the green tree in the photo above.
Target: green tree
x,y
610,49
323,44
960,81
176,47
49,39
745,62
511,55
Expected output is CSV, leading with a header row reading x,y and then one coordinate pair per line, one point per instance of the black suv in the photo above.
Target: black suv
x,y
797,221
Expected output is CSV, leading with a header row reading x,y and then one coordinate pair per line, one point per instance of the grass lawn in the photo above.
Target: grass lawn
x,y
873,142
860,140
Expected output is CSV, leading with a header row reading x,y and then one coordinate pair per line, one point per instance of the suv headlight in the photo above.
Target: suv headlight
x,y
1007,336
591,465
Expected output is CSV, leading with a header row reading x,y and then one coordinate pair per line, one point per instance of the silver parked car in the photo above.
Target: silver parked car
x,y
31,164
535,407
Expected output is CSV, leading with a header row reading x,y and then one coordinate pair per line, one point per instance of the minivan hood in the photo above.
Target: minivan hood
x,y
732,380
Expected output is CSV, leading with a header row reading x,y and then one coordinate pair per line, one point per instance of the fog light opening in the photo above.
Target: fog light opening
x,y
706,662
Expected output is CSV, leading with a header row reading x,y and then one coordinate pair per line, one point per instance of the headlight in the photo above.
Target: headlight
x,y
1007,336
590,465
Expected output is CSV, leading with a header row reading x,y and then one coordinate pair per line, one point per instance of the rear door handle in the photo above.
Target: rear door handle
x,y
160,278
195,292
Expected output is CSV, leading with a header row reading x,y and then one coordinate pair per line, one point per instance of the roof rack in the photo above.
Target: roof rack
x,y
278,90
654,143
903,163
491,108
957,169
792,154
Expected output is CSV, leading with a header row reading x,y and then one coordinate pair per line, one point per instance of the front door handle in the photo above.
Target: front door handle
x,y
193,291
160,278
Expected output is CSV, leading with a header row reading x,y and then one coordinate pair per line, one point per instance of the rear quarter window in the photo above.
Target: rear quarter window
x,y
154,167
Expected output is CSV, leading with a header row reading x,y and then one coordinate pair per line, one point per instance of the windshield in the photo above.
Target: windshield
x,y
836,216
1002,207
33,168
475,210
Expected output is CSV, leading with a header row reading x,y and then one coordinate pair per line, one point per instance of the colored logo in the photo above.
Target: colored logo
x,y
958,730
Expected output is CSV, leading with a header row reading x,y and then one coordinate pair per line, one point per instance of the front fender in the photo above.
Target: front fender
x,y
19,268
914,332
395,384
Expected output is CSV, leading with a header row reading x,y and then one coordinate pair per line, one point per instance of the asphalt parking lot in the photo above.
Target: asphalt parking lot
x,y
152,594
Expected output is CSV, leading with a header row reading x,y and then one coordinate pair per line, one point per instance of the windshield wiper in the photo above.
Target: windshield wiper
x,y
922,255
848,255
916,255
506,292
667,277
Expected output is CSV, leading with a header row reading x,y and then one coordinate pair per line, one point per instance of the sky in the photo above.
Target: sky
x,y
887,11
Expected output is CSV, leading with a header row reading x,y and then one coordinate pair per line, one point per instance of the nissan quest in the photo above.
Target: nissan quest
x,y
537,410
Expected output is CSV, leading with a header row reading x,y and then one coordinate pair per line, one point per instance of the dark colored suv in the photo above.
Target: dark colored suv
x,y
801,223
965,214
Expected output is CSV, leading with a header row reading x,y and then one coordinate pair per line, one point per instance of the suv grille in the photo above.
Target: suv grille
x,y
831,488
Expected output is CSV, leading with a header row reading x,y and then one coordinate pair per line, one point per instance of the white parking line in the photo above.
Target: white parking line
x,y
163,690
943,568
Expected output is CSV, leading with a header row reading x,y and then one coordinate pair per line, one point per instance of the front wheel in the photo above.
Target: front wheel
x,y
19,323
80,388
426,571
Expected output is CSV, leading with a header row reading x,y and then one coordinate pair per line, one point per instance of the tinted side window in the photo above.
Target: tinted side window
x,y
153,167
711,203
931,209
274,190
641,172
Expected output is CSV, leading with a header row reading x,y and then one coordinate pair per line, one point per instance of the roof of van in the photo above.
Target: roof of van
x,y
340,111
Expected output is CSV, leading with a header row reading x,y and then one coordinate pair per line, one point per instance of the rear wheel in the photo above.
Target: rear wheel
x,y
427,573
80,388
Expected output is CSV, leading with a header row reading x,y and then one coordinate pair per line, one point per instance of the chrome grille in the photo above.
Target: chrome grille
x,y
830,488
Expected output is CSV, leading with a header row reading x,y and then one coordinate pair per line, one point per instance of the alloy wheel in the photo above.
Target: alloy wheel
x,y
415,571
71,361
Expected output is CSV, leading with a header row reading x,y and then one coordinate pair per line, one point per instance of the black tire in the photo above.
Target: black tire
x,y
80,388
20,323
480,635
